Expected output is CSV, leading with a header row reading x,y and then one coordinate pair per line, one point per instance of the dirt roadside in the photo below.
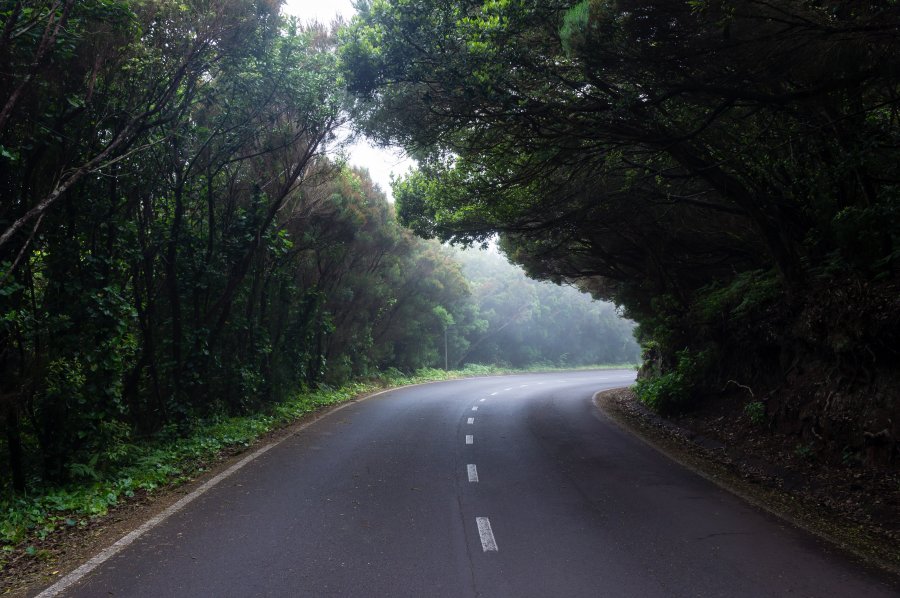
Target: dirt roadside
x,y
856,510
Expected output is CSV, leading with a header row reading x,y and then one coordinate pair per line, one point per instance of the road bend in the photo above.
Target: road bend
x,y
503,486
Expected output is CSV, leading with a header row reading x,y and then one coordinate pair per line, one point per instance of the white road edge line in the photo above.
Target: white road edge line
x,y
76,575
488,543
473,473
470,421
470,439
127,539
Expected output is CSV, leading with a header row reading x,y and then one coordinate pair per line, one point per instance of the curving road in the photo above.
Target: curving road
x,y
508,486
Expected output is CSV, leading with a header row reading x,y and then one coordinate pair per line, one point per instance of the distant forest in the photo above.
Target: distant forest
x,y
531,322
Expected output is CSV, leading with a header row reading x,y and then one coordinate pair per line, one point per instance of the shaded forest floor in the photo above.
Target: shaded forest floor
x,y
853,507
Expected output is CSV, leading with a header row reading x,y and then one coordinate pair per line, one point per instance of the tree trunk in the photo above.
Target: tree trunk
x,y
14,445
172,284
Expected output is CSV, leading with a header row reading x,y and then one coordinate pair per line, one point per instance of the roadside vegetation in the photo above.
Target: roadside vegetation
x,y
172,457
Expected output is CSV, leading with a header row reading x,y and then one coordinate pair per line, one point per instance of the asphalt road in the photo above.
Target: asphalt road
x,y
380,499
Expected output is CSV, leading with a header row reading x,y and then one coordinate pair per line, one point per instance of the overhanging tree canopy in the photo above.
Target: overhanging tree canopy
x,y
725,129
708,163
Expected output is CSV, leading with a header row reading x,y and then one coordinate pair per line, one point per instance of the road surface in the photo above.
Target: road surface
x,y
506,486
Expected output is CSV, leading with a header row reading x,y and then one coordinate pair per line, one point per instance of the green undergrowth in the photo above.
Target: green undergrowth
x,y
671,391
170,459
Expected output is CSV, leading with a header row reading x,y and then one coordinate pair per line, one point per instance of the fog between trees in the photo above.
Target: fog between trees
x,y
537,322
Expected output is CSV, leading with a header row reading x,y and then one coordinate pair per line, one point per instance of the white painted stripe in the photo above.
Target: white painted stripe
x,y
76,575
482,400
487,536
473,473
475,408
470,439
524,386
493,394
510,388
104,555
470,421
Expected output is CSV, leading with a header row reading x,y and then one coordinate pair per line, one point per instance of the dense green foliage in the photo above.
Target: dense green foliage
x,y
176,244
725,170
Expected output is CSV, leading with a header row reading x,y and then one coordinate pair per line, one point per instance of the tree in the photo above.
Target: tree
x,y
667,155
148,151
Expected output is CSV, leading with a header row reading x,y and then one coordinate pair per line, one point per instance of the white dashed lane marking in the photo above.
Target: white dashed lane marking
x,y
493,394
488,543
475,408
483,400
473,473
470,439
470,421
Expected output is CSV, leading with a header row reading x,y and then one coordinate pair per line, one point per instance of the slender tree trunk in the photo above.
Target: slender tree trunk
x,y
172,284
14,445
147,318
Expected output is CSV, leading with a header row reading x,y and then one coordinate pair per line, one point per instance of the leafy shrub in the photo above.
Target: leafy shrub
x,y
670,392
477,369
756,411
867,236
747,292
661,325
